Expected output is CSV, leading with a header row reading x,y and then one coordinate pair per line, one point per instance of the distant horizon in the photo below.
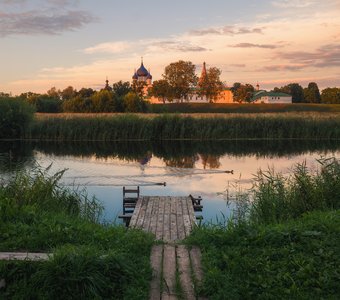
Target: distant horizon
x,y
61,43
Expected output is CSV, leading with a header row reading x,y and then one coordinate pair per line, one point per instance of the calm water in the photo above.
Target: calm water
x,y
187,167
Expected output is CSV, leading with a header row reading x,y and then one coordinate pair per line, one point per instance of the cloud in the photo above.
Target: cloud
x,y
293,3
42,22
177,46
282,67
325,56
113,47
250,45
238,65
226,30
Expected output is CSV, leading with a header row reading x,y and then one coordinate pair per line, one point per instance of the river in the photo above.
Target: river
x,y
197,168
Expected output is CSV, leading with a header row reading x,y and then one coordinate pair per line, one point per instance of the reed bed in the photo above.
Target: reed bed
x,y
173,127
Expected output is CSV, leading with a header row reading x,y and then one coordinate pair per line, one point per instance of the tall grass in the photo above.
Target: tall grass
x,y
167,127
90,260
278,198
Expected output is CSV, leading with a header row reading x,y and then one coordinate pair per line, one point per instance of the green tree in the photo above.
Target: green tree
x,y
161,89
103,101
243,93
210,84
330,95
68,93
121,88
85,92
138,87
54,93
311,93
78,104
181,78
134,103
293,89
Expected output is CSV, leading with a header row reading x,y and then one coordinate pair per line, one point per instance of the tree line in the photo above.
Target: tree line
x,y
178,83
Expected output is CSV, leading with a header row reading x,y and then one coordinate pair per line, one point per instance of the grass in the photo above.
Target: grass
x,y
174,127
90,260
241,108
285,245
298,259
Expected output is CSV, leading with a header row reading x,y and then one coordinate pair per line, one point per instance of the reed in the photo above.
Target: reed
x,y
172,127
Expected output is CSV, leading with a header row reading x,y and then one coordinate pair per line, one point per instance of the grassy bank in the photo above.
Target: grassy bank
x,y
285,245
90,260
241,108
167,127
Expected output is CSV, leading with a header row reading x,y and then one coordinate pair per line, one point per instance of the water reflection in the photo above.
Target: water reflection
x,y
187,167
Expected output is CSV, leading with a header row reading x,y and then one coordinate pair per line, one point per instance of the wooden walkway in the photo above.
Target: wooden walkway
x,y
169,218
177,272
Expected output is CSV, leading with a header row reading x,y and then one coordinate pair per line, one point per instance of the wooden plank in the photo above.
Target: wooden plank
x,y
156,264
154,215
166,221
141,216
195,258
173,219
160,219
183,261
147,219
180,221
134,217
169,271
186,217
24,256
191,213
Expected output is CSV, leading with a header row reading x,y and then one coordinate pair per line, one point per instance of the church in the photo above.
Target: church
x,y
143,75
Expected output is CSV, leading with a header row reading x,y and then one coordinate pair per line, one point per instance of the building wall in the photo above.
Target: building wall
x,y
226,96
274,100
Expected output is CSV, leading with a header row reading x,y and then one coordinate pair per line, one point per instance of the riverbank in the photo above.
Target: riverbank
x,y
283,242
90,260
177,127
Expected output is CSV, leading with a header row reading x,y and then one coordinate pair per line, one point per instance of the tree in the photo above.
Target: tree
x,y
235,87
138,87
311,93
54,93
330,95
210,84
243,93
85,92
293,89
68,93
134,103
181,78
121,88
103,101
161,89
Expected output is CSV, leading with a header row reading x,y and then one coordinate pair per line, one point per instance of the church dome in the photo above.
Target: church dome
x,y
135,76
149,76
142,72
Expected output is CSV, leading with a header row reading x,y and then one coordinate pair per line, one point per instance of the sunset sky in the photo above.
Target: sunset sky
x,y
46,43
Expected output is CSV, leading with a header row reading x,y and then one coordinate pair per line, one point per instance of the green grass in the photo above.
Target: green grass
x,y
173,127
299,259
90,260
240,108
285,243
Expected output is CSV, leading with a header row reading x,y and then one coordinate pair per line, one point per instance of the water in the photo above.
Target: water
x,y
196,168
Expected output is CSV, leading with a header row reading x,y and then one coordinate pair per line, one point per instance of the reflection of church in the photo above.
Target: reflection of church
x,y
143,75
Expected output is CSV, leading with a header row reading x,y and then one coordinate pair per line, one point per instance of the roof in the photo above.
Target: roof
x,y
142,72
260,94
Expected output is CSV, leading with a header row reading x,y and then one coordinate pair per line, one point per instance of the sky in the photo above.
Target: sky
x,y
60,43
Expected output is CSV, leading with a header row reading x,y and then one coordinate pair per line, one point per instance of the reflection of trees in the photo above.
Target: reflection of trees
x,y
182,162
181,154
210,161
15,156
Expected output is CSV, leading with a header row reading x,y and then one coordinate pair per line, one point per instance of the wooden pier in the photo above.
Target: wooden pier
x,y
170,219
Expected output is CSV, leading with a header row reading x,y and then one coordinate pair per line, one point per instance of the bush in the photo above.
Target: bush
x,y
15,118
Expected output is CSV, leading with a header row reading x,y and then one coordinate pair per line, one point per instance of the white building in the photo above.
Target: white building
x,y
271,97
